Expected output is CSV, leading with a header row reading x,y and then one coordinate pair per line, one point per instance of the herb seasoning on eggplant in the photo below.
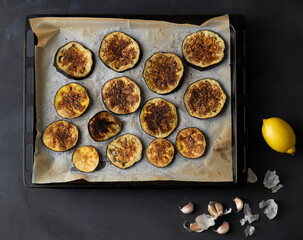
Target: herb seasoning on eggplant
x,y
124,151
74,61
160,152
163,72
121,95
119,51
71,101
191,143
86,159
158,118
60,136
204,98
203,48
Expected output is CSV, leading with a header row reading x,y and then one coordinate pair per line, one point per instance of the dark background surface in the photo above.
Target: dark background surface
x,y
275,88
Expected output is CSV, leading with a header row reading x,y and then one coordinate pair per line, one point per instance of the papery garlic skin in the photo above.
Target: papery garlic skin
x,y
223,229
188,208
205,221
251,176
249,230
271,208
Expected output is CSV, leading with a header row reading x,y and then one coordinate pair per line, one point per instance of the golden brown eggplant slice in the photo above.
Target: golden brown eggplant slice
x,y
158,118
203,48
103,126
204,98
124,151
74,60
71,101
86,159
163,72
191,143
119,51
160,152
60,136
121,95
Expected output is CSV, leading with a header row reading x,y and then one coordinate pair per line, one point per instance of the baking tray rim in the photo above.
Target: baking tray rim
x,y
238,108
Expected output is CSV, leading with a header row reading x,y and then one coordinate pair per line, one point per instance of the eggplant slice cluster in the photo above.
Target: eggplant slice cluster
x,y
160,152
124,151
86,159
158,118
71,101
119,51
191,143
103,126
163,72
74,61
204,98
60,136
121,95
203,48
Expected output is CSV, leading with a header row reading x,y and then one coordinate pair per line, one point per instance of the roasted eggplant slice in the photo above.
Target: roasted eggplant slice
x,y
158,118
103,126
74,60
203,48
119,51
71,101
191,143
86,159
204,98
124,151
160,152
60,136
163,72
121,95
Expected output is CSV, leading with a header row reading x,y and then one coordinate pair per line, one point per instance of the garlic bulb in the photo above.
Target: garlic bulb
x,y
215,209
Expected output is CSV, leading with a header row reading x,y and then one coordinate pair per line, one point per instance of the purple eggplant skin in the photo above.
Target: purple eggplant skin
x,y
68,75
210,66
135,65
179,81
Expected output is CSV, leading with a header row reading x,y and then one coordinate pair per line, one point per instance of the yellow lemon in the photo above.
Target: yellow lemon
x,y
279,135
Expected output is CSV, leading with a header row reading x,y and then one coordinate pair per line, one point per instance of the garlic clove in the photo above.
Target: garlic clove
x,y
195,227
223,229
239,204
188,208
215,209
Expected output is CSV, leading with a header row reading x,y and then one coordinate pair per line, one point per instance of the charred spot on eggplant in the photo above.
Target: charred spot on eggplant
x,y
160,152
163,72
86,159
203,48
60,136
121,95
191,143
124,151
204,98
103,126
71,101
158,118
74,60
119,51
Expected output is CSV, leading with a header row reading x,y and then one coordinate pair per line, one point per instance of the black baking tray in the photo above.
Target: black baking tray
x,y
238,101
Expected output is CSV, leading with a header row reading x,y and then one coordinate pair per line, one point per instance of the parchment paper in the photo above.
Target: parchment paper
x,y
153,36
